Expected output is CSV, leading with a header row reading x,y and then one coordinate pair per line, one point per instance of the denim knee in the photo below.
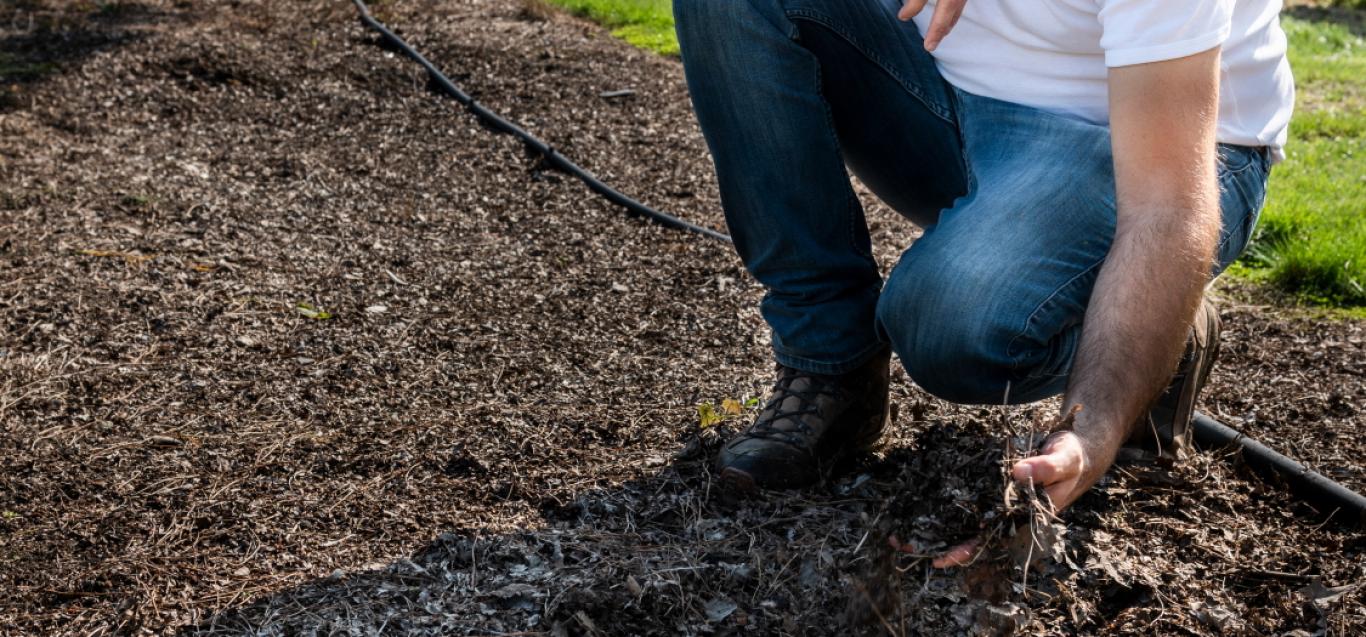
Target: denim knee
x,y
948,324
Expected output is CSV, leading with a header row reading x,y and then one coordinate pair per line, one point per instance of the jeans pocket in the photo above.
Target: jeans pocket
x,y
1242,194
1235,159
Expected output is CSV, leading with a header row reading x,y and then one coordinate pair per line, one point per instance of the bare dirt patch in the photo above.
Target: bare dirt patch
x,y
288,343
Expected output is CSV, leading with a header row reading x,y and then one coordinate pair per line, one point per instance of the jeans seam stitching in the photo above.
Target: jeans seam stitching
x,y
852,209
1233,171
824,21
969,177
851,198
1248,215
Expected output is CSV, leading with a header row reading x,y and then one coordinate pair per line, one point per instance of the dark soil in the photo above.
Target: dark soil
x,y
291,345
961,480
949,486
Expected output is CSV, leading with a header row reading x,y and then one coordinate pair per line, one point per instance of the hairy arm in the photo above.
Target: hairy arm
x,y
1162,122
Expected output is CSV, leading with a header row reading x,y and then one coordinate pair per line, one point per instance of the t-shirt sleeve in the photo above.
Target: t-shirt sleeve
x,y
1142,31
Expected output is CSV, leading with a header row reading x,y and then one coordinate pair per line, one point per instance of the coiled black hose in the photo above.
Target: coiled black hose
x,y
1329,497
552,157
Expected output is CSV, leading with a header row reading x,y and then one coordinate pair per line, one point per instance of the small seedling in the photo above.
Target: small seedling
x,y
707,415
314,313
136,201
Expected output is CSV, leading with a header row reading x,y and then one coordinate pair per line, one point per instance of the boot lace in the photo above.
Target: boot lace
x,y
787,423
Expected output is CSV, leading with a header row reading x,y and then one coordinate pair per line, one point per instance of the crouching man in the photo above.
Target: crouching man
x,y
1081,169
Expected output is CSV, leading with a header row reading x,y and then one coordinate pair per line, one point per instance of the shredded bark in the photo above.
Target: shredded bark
x,y
290,345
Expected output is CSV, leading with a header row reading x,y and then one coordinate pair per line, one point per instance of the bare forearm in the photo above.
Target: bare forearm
x,y
1139,317
1162,132
1162,125
1135,326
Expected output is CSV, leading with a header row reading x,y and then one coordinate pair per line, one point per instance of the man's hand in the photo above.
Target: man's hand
x,y
1063,468
946,13
1162,130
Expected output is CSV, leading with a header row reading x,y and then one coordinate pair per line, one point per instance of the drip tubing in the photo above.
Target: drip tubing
x,y
1329,497
552,157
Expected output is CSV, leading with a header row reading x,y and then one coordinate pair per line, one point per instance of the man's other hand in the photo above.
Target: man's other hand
x,y
946,13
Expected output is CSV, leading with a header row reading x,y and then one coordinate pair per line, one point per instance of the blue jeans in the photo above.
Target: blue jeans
x,y
1017,204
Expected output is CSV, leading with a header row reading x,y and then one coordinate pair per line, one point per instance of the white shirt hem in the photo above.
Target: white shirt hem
x,y
1168,51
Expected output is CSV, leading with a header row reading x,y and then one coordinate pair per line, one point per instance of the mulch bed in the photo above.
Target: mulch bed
x,y
291,345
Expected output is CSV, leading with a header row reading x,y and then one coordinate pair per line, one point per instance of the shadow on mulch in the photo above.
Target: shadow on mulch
x,y
664,554
40,38
668,554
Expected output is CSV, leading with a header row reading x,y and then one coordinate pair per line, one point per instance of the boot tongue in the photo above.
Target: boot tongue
x,y
804,384
813,394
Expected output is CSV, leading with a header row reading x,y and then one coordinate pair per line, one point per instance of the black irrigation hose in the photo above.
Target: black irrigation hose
x,y
1329,497
552,157
1324,494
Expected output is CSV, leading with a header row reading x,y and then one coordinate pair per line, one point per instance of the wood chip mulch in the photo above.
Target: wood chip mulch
x,y
290,345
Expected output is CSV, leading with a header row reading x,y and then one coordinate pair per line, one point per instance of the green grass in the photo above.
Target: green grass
x,y
648,24
1311,241
1350,4
1312,238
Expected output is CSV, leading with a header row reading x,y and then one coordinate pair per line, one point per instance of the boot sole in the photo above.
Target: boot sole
x,y
738,481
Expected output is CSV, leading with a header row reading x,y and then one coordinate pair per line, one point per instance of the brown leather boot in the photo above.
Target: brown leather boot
x,y
1166,429
810,422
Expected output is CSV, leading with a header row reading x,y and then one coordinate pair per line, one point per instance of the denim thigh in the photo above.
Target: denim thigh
x,y
789,95
987,306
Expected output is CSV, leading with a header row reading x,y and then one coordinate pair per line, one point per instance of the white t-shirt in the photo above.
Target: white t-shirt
x,y
1054,55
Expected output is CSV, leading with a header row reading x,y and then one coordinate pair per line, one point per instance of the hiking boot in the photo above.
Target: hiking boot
x,y
1166,429
811,421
